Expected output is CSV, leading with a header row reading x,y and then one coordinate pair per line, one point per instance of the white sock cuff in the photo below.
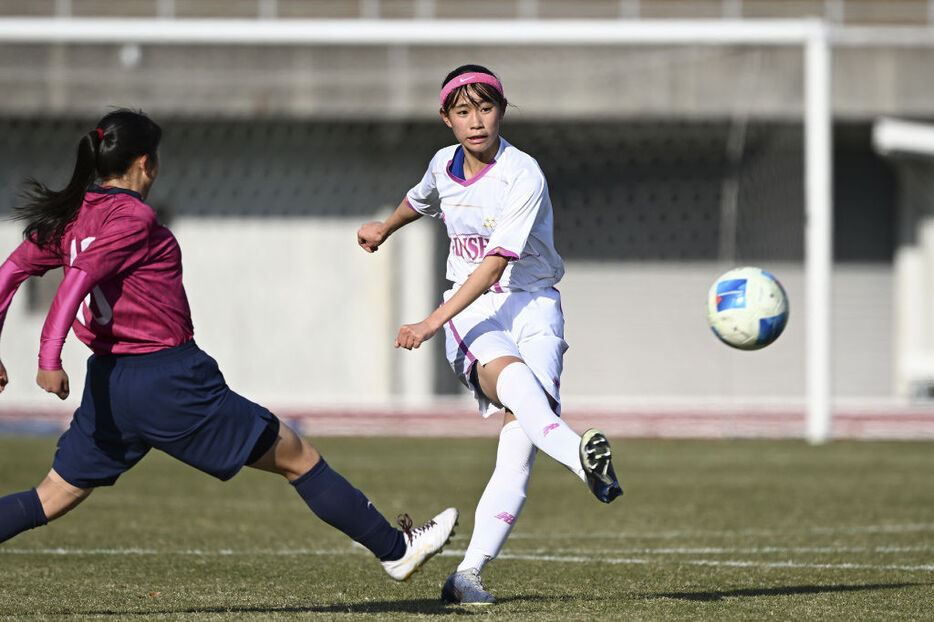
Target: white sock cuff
x,y
474,560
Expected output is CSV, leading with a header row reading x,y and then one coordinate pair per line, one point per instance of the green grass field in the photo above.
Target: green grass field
x,y
707,530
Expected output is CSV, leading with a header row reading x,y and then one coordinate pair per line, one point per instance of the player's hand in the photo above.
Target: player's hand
x,y
4,379
54,381
414,335
370,236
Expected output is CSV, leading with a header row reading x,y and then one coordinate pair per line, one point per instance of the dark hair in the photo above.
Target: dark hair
x,y
474,92
104,152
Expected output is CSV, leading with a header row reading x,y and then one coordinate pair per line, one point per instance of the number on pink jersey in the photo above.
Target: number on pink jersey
x,y
104,309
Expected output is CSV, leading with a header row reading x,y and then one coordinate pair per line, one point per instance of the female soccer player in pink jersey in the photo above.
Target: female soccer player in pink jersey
x,y
148,384
502,318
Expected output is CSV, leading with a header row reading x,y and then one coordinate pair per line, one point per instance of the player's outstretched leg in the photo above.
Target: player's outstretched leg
x,y
338,503
597,461
421,543
19,512
518,389
51,499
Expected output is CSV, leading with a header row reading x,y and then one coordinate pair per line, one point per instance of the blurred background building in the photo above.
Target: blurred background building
x,y
667,165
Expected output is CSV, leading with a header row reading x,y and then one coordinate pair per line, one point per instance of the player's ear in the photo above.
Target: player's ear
x,y
148,165
445,117
152,165
139,163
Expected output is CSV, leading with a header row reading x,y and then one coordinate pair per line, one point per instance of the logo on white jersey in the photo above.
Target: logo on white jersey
x,y
470,247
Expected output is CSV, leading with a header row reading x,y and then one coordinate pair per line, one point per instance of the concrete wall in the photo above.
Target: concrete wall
x,y
297,316
402,82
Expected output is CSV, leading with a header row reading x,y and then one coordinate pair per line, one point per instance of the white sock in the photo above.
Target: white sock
x,y
503,498
519,391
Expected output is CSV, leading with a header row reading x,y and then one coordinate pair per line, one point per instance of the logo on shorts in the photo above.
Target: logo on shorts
x,y
506,517
550,428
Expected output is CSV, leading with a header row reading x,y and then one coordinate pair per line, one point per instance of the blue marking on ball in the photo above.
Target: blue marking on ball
x,y
731,294
771,327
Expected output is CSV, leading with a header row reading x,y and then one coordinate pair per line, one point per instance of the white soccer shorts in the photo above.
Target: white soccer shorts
x,y
528,325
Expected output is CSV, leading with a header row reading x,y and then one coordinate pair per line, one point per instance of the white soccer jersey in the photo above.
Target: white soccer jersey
x,y
504,210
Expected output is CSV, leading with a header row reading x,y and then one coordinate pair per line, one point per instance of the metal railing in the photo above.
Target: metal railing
x,y
833,11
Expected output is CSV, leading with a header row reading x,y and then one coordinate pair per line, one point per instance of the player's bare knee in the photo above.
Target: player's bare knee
x,y
291,456
308,459
58,497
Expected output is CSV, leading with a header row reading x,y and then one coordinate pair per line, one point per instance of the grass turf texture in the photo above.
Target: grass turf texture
x,y
706,530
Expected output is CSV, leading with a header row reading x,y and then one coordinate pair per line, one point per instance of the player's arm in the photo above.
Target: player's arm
x,y
11,277
480,281
121,244
372,234
27,260
74,288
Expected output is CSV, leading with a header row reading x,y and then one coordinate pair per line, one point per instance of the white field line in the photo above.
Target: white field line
x,y
729,533
512,556
541,552
182,552
714,562
765,550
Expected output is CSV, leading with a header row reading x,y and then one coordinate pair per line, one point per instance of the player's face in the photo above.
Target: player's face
x,y
475,126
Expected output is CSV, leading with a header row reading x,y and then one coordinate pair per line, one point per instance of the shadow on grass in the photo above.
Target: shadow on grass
x,y
422,606
780,591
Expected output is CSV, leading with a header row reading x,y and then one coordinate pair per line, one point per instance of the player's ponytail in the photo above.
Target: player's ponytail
x,y
105,152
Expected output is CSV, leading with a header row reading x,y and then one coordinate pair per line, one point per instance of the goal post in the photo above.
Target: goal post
x,y
811,36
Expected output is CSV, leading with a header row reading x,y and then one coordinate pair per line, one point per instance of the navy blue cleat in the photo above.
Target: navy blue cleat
x,y
597,462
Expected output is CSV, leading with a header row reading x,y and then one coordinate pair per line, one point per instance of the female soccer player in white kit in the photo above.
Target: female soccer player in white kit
x,y
502,318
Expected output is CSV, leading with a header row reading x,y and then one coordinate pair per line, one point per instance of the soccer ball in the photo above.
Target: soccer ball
x,y
747,308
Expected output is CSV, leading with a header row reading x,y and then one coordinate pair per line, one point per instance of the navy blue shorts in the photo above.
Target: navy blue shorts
x,y
175,400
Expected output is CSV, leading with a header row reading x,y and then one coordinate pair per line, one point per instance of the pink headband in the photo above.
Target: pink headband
x,y
470,78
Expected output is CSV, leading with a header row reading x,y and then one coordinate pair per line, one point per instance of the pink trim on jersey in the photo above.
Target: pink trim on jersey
x,y
75,286
472,180
496,288
11,277
409,203
502,252
470,78
461,345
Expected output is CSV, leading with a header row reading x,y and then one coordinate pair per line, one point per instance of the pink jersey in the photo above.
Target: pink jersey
x,y
137,303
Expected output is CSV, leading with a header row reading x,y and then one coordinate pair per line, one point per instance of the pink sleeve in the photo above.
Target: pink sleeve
x,y
76,285
11,277
36,260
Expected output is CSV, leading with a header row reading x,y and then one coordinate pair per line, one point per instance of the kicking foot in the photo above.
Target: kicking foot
x,y
421,543
598,466
466,588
